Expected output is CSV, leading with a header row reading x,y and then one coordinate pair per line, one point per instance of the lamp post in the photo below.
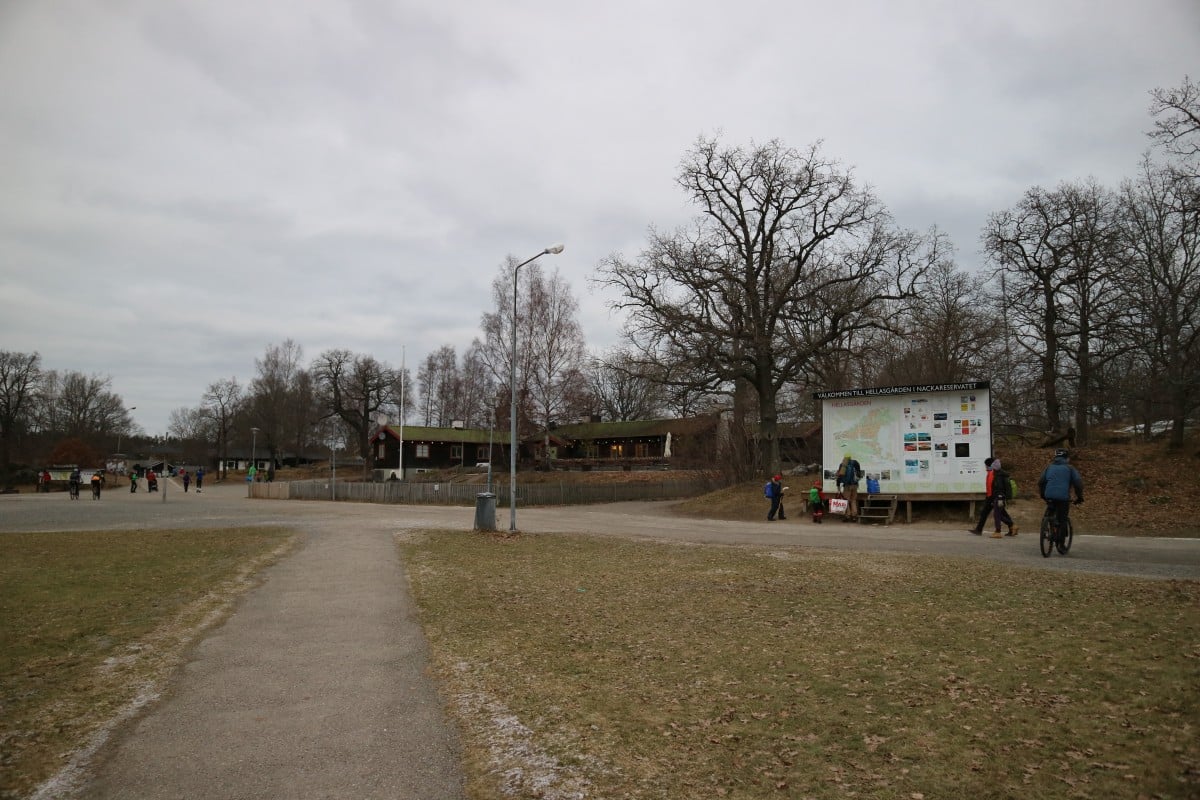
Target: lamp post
x,y
253,459
512,411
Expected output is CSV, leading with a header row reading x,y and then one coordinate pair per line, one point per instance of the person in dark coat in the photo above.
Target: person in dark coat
x,y
1000,500
1055,487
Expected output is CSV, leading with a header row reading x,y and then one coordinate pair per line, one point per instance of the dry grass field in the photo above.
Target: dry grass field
x,y
590,667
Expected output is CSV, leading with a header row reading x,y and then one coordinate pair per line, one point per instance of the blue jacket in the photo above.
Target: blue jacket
x,y
1057,480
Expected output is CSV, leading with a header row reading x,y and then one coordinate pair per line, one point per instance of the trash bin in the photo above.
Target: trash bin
x,y
485,511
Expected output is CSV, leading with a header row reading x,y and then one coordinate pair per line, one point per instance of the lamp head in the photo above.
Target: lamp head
x,y
554,249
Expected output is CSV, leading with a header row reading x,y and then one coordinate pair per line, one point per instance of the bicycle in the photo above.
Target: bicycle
x,y
1048,536
74,488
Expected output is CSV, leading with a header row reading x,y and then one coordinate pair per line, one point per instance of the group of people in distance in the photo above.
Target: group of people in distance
x,y
75,481
849,473
1054,487
1057,481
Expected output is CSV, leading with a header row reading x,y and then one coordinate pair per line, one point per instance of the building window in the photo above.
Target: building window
x,y
382,450
641,450
422,451
456,452
481,453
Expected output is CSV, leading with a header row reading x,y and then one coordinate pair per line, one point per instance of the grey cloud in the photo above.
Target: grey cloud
x,y
188,182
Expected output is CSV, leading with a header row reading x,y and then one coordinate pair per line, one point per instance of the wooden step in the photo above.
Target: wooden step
x,y
877,508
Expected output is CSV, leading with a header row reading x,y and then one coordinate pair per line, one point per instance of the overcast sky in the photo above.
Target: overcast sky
x,y
185,183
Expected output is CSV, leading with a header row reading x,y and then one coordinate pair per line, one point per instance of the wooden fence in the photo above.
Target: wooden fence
x,y
461,494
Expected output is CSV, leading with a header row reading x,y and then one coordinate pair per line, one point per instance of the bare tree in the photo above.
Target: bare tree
x,y
272,395
1056,250
222,402
188,424
787,256
87,406
558,351
1096,301
550,346
20,374
622,389
950,333
1177,128
476,398
438,379
1161,212
354,389
193,428
496,347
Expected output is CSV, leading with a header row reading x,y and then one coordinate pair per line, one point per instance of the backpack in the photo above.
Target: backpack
x,y
851,474
767,490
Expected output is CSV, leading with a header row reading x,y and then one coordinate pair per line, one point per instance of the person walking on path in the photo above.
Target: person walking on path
x,y
187,479
97,485
774,492
199,480
132,482
988,506
1055,487
999,497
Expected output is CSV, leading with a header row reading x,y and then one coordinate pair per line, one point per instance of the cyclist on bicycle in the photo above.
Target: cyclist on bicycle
x,y
74,481
1055,487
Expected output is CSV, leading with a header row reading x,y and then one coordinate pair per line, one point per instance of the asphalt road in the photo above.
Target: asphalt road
x,y
316,686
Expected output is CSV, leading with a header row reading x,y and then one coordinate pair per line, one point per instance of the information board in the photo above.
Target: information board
x,y
913,439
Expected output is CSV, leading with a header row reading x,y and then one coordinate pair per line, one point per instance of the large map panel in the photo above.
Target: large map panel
x,y
914,439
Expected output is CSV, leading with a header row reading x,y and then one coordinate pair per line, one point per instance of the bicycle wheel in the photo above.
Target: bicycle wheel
x,y
1064,542
1046,536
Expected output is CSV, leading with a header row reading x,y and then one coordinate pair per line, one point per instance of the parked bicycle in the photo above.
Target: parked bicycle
x,y
1050,537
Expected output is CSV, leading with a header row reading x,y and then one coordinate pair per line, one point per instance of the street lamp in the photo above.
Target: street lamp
x,y
512,411
253,459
